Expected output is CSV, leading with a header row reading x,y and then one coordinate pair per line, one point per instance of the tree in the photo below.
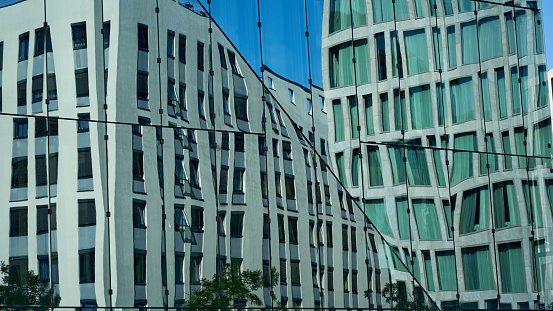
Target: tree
x,y
28,289
393,296
237,287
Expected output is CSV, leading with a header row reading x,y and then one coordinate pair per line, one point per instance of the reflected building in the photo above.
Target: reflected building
x,y
407,84
141,152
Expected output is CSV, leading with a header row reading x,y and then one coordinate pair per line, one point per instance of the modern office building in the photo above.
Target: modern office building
x,y
140,152
407,84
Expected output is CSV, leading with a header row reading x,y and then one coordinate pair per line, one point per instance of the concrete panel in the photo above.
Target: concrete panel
x,y
224,78
53,106
87,237
22,70
51,68
179,291
263,164
288,167
85,184
198,248
83,101
294,252
296,292
139,238
142,61
345,259
330,260
20,147
143,104
236,247
266,255
346,300
18,194
138,186
137,142
41,191
38,65
106,58
170,68
291,205
330,296
282,250
19,246
80,59
354,260
238,198
22,109
37,107
83,140
239,160
200,75
179,243
310,207
277,165
87,291
42,244
243,125
140,292
228,120
222,246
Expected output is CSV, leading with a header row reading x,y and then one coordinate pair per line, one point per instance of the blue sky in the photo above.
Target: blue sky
x,y
283,33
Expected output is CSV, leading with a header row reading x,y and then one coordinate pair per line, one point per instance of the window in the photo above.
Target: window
x,y
232,61
489,42
345,238
238,181
87,213
283,271
346,282
81,82
87,267
143,37
271,83
106,34
194,173
79,36
20,128
22,93
338,120
384,111
179,269
291,95
286,150
236,225
429,273
375,168
400,110
355,162
510,262
278,189
197,220
41,172
40,35
427,219
200,52
330,279
421,107
138,214
352,100
19,172
533,202
383,10
293,230
376,209
445,262
182,49
521,26
226,106
222,58
239,142
342,14
477,268
18,221
138,165
42,218
474,212
329,234
171,45
507,149
24,46
341,64
402,217
322,102
290,188
83,124
451,46
295,273
139,268
323,147
223,180
85,163
415,51
381,55
241,107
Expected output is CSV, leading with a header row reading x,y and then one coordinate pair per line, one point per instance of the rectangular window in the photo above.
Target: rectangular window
x,y
24,46
281,231
501,92
139,268
383,10
278,188
295,273
42,218
353,240
40,36
375,167
286,150
79,36
474,210
194,173
341,14
283,271
542,86
241,107
22,93
511,261
197,222
505,203
521,29
81,83
338,120
445,262
400,110
236,225
507,149
238,181
538,32
355,162
379,220
19,172
239,142
415,51
368,100
341,168
488,40
330,279
428,270
138,214
293,230
478,268
87,267
41,172
341,64
84,163
87,213
353,113
18,221
437,41
380,55
171,45
138,165
106,35
462,104
83,123
451,46
291,95
397,63
1,60
427,219
20,128
290,187
223,180
200,52
233,64
485,96
402,217
179,269
143,37
384,112
182,49
488,160
533,202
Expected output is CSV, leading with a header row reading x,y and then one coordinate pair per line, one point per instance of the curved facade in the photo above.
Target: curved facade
x,y
430,80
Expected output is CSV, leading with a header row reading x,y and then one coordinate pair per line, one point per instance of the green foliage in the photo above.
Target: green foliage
x,y
237,287
394,297
25,290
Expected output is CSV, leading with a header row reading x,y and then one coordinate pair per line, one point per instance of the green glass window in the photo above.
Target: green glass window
x,y
462,161
338,120
402,218
446,270
465,5
469,44
542,140
418,8
396,162
431,4
448,7
383,10
353,116
539,263
501,92
415,270
489,38
485,96
448,216
510,263
442,111
475,210
428,270
515,90
511,33
341,14
533,203
396,55
490,159
400,110
368,100
421,106
483,5
417,168
451,46
462,104
341,65
362,61
437,48
427,219
381,55
477,268
355,167
375,166
520,137
507,149
415,50
384,117
520,23
505,204
538,32
437,157
396,258
524,88
341,168
542,86
377,215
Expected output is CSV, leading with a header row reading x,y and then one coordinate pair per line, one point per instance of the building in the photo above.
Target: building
x,y
428,77
122,196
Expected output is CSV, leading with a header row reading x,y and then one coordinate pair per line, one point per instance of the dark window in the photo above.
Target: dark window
x,y
19,172
142,37
238,181
225,141
182,97
222,57
197,220
87,213
40,127
295,273
293,230
106,34
24,46
37,86
138,215
266,226
20,128
195,264
42,218
287,150
85,163
39,41
86,267
200,56
22,93
281,232
138,165
79,36
139,268
18,221
171,45
329,234
19,269
179,269
194,173
381,56
323,147
283,271
81,82
241,107
172,97
52,87
261,144
236,225
43,268
223,182
290,189
239,142
1,56
201,105
353,240
53,171
264,185
142,86
330,279
182,49
345,238
232,61
83,124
